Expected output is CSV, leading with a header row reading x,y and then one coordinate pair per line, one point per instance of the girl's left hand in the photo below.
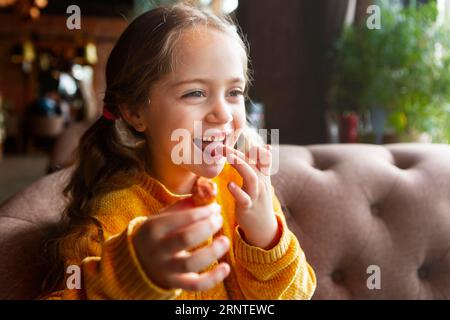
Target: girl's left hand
x,y
254,206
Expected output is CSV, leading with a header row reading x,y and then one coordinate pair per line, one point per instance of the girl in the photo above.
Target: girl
x,y
130,225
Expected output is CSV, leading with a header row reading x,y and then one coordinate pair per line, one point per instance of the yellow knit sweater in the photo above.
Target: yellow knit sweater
x,y
112,270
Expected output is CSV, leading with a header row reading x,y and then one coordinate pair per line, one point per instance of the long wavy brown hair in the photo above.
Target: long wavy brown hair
x,y
144,53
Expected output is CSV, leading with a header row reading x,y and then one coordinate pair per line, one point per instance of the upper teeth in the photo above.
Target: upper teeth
x,y
213,138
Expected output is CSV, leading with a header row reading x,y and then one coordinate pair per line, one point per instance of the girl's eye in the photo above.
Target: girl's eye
x,y
236,93
194,94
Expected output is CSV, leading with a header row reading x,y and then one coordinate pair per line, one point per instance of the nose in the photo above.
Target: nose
x,y
220,113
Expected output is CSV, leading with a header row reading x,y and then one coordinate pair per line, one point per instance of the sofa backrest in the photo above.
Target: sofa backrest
x,y
361,211
365,216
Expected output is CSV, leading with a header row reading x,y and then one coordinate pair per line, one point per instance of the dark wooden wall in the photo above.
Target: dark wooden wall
x,y
290,42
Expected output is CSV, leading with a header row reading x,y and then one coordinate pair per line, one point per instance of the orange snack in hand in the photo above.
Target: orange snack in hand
x,y
204,192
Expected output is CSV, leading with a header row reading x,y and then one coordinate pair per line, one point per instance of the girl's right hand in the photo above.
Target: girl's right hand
x,y
162,241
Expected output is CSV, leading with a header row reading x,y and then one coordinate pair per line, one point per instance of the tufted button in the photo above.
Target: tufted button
x,y
423,272
375,209
337,276
322,164
405,163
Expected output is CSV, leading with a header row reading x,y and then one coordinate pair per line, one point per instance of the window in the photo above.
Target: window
x,y
444,10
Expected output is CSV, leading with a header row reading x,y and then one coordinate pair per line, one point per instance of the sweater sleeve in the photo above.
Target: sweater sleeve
x,y
279,273
116,273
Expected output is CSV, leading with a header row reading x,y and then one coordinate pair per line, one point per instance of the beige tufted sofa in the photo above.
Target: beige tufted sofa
x,y
352,207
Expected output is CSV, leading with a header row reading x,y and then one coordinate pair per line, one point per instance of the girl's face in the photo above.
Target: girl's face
x,y
205,89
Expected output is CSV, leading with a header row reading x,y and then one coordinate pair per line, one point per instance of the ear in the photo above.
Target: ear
x,y
134,118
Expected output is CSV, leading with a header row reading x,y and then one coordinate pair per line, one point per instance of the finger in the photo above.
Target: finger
x,y
258,157
172,220
248,174
252,156
243,200
226,150
201,282
263,158
201,258
192,235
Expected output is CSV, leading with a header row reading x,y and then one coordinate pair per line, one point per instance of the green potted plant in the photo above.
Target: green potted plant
x,y
400,72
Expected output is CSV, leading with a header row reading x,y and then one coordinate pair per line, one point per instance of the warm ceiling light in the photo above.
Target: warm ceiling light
x,y
34,13
91,53
41,3
29,53
5,3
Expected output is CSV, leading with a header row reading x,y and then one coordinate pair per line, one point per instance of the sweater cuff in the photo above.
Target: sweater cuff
x,y
137,280
251,254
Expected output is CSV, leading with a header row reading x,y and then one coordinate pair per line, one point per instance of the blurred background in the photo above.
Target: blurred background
x,y
324,71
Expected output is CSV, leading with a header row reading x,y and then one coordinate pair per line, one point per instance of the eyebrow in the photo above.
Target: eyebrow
x,y
205,81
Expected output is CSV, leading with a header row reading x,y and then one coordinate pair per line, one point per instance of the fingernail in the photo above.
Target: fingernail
x,y
216,207
225,270
224,241
232,185
217,220
221,245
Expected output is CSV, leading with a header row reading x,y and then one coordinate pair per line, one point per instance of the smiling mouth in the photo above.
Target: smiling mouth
x,y
203,143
